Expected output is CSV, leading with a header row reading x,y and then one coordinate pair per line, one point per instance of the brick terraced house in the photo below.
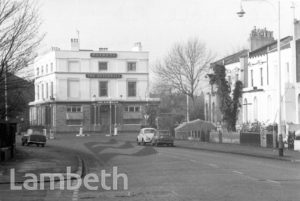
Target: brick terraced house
x,y
93,90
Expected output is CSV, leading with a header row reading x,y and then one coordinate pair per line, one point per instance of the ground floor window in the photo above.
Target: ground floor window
x,y
132,109
74,108
74,122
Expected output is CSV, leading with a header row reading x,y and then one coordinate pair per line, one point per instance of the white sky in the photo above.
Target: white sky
x,y
158,24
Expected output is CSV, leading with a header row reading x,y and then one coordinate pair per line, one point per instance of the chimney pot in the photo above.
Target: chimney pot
x,y
75,44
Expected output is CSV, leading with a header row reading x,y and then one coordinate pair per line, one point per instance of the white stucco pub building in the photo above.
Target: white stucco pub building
x,y
93,90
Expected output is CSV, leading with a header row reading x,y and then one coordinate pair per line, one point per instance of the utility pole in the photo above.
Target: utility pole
x,y
187,109
5,92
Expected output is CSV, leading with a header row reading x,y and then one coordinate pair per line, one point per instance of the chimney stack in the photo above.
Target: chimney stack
x,y
260,37
75,44
103,49
297,29
137,47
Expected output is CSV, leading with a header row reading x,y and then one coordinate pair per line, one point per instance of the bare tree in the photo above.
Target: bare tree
x,y
19,34
184,67
19,39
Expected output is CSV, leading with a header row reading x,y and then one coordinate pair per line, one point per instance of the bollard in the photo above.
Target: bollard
x,y
115,130
51,134
280,145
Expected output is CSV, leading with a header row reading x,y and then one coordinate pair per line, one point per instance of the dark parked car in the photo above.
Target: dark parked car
x,y
36,139
162,137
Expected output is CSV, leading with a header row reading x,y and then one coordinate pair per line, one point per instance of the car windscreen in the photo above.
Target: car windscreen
x,y
164,133
149,131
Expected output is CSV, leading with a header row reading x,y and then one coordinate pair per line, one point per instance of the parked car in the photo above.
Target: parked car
x,y
33,138
145,135
163,137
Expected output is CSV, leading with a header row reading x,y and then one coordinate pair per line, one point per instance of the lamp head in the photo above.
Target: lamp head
x,y
241,13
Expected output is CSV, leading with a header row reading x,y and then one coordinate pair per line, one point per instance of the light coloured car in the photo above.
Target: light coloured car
x,y
145,135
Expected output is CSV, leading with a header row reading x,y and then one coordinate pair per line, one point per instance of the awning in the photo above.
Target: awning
x,y
74,115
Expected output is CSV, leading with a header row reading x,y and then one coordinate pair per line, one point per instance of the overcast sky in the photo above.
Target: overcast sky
x,y
158,24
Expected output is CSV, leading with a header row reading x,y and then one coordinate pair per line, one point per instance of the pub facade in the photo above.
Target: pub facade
x,y
93,90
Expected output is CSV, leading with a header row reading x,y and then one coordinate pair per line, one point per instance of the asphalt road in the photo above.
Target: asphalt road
x,y
172,173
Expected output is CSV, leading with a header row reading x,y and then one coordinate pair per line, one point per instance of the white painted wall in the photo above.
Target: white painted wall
x,y
267,111
117,88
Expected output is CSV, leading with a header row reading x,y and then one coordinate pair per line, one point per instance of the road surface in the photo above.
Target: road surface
x,y
171,173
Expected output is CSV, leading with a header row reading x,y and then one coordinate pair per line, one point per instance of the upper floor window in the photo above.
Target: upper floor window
x,y
102,66
46,68
37,71
287,72
131,66
236,77
74,108
73,66
252,78
42,70
229,80
103,88
131,88
51,67
261,77
38,92
51,89
73,88
43,91
47,93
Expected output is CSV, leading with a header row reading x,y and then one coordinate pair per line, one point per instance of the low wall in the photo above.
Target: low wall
x,y
224,137
250,138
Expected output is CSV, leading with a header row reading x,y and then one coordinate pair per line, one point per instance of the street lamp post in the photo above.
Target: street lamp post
x,y
110,113
187,109
5,93
280,140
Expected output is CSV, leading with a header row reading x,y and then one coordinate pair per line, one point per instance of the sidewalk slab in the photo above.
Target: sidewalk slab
x,y
289,155
37,160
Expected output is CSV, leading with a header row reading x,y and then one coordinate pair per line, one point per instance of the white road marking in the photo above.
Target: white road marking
x,y
213,165
174,193
246,176
272,181
238,172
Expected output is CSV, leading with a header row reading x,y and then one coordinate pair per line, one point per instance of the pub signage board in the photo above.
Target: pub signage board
x,y
104,55
104,75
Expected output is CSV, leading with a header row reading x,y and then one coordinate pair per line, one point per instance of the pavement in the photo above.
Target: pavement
x,y
37,160
246,150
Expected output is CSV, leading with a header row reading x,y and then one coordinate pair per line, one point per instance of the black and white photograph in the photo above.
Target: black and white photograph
x,y
149,100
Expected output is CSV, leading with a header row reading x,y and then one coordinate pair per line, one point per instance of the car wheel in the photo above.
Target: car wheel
x,y
143,142
137,142
172,145
43,145
23,143
37,145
